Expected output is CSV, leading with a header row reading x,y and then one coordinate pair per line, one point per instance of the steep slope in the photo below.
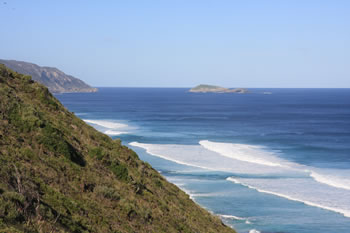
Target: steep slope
x,y
58,174
53,78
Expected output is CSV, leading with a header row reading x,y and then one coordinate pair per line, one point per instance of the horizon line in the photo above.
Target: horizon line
x,y
228,87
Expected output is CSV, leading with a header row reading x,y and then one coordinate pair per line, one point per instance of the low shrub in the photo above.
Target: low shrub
x,y
96,152
107,192
120,171
53,140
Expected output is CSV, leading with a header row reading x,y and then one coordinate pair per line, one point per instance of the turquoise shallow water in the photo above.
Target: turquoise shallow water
x,y
273,163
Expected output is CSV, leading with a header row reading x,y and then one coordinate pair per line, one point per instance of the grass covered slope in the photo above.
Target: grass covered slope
x,y
58,174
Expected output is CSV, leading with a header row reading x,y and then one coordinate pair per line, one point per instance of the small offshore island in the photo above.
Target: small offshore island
x,y
204,88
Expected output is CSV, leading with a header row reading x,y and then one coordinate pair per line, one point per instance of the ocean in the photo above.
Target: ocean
x,y
272,160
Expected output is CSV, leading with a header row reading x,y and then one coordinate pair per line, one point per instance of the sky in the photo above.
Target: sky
x,y
182,43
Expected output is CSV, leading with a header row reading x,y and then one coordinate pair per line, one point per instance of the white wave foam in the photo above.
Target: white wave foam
x,y
259,155
153,149
288,180
318,197
247,153
109,127
107,124
114,133
246,221
254,231
335,181
198,156
232,217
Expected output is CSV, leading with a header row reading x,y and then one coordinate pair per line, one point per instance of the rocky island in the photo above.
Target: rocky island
x,y
52,78
203,88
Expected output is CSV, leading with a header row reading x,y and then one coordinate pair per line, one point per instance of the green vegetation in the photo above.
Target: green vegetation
x,y
57,174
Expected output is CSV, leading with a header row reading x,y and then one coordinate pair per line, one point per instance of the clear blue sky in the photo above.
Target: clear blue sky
x,y
181,43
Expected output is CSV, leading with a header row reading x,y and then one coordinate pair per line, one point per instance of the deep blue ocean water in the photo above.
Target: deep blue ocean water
x,y
273,160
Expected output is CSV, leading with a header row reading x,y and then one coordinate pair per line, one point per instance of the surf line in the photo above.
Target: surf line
x,y
343,212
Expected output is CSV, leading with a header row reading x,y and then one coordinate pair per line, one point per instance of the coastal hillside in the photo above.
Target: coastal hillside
x,y
52,78
204,88
58,174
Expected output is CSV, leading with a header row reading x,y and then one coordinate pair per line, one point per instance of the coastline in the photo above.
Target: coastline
x,y
156,131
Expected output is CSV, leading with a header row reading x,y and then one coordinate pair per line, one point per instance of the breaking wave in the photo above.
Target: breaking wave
x,y
109,127
331,180
308,194
263,170
243,152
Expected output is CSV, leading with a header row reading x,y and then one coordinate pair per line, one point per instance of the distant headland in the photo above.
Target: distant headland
x,y
204,88
54,79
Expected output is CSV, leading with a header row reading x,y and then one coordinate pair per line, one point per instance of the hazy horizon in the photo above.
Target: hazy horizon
x,y
252,44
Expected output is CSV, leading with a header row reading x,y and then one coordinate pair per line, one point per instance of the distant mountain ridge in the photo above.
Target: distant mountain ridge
x,y
54,79
204,88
